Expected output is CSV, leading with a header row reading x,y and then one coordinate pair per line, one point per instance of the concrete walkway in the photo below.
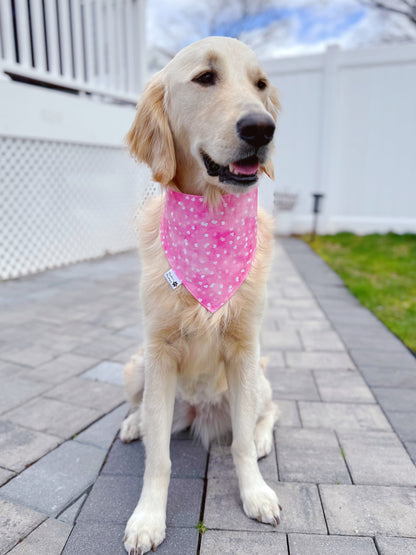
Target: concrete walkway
x,y
342,464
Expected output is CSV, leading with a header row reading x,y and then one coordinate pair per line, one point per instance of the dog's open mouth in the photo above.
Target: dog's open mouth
x,y
241,172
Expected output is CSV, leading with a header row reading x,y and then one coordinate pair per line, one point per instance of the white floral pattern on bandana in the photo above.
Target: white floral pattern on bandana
x,y
211,251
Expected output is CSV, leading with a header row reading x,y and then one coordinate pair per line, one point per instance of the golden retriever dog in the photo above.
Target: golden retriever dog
x,y
204,125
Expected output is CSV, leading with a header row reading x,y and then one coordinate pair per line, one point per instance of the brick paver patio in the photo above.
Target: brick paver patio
x,y
342,464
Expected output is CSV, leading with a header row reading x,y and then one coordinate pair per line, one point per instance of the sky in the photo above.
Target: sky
x,y
271,27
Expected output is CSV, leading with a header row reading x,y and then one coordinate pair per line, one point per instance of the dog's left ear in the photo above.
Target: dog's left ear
x,y
272,103
150,138
273,107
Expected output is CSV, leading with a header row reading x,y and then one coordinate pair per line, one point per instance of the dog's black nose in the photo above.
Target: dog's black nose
x,y
256,129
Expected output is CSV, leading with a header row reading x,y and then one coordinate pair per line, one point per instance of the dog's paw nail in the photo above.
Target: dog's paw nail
x,y
280,507
154,547
276,521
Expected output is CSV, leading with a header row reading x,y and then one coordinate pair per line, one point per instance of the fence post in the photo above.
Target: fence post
x,y
328,118
141,44
7,30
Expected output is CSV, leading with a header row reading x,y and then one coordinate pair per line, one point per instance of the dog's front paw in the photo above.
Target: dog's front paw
x,y
144,531
262,504
131,428
263,440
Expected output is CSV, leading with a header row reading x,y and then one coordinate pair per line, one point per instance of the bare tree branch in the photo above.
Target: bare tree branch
x,y
390,6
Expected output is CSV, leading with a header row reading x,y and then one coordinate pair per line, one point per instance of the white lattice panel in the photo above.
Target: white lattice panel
x,y
64,202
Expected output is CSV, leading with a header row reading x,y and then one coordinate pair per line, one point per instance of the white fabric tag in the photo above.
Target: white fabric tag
x,y
172,279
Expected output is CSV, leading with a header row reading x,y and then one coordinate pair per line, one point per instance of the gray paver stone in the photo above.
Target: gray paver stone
x,y
89,538
355,315
403,424
370,510
306,544
18,389
372,338
62,368
102,433
373,357
113,499
243,543
221,463
135,332
377,458
395,546
296,291
306,313
189,459
275,360
8,369
342,416
321,341
5,475
396,398
411,449
318,360
343,386
302,511
88,393
293,384
125,355
105,347
20,446
107,539
389,376
29,356
127,459
308,306
71,513
281,339
106,371
53,416
310,325
50,484
16,522
48,539
310,455
289,414
269,320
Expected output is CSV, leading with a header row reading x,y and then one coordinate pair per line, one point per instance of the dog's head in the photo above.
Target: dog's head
x,y
207,119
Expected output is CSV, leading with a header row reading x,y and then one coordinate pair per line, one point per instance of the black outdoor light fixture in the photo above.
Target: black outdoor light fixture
x,y
316,210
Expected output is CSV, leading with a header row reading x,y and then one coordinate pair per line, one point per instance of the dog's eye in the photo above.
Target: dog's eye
x,y
261,84
206,79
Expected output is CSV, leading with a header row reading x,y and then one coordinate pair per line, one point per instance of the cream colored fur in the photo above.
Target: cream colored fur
x,y
199,369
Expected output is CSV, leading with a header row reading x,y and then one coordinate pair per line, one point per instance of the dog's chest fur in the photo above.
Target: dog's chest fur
x,y
199,341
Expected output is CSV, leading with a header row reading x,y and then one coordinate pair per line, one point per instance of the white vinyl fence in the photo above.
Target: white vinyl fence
x,y
94,46
68,189
348,130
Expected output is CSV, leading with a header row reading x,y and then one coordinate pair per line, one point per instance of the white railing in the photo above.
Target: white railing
x,y
91,46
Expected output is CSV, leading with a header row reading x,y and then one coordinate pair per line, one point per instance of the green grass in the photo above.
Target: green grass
x,y
381,272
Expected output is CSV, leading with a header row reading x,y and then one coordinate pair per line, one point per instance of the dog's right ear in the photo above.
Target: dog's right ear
x,y
150,138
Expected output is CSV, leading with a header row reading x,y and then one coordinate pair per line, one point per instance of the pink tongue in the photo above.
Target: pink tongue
x,y
245,169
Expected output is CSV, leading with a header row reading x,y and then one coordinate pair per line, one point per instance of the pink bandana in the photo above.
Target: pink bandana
x,y
211,252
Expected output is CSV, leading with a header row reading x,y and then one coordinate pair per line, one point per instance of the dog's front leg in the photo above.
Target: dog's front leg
x,y
146,527
259,500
